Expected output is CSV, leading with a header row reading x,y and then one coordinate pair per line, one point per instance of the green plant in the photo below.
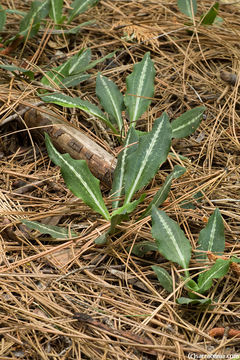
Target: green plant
x,y
174,246
142,154
189,8
31,21
140,90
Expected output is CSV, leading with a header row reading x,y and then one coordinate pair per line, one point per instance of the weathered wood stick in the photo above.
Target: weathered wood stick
x,y
68,139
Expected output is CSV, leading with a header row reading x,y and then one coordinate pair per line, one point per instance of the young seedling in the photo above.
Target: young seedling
x,y
174,246
40,10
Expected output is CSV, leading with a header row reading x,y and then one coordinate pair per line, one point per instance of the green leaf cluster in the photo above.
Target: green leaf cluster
x,y
38,12
174,246
140,90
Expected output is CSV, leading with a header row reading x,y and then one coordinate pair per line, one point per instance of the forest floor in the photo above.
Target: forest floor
x,y
73,299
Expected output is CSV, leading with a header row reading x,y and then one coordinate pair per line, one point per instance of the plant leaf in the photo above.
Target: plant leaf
x,y
129,207
162,193
140,84
79,7
110,98
30,23
56,10
2,17
56,232
170,239
79,61
188,7
55,76
98,61
187,123
13,68
218,270
163,277
70,102
79,179
210,16
151,152
142,248
212,237
187,301
130,145
74,80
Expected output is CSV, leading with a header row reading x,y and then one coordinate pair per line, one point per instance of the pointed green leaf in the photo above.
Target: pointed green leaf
x,y
56,232
188,7
151,152
187,123
98,61
235,259
170,239
79,179
102,239
142,248
187,301
56,10
129,146
129,207
80,6
212,237
74,80
140,85
110,98
70,102
163,277
2,17
79,61
67,74
30,23
13,68
162,193
55,76
218,270
210,16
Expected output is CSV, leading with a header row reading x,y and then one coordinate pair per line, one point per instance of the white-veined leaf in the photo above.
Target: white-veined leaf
x,y
171,240
140,87
56,10
187,123
151,152
55,76
80,6
162,193
79,62
212,237
74,80
163,277
56,232
188,7
218,270
110,98
79,179
70,102
30,23
129,146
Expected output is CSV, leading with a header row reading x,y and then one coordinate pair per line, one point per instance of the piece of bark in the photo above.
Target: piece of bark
x,y
69,139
